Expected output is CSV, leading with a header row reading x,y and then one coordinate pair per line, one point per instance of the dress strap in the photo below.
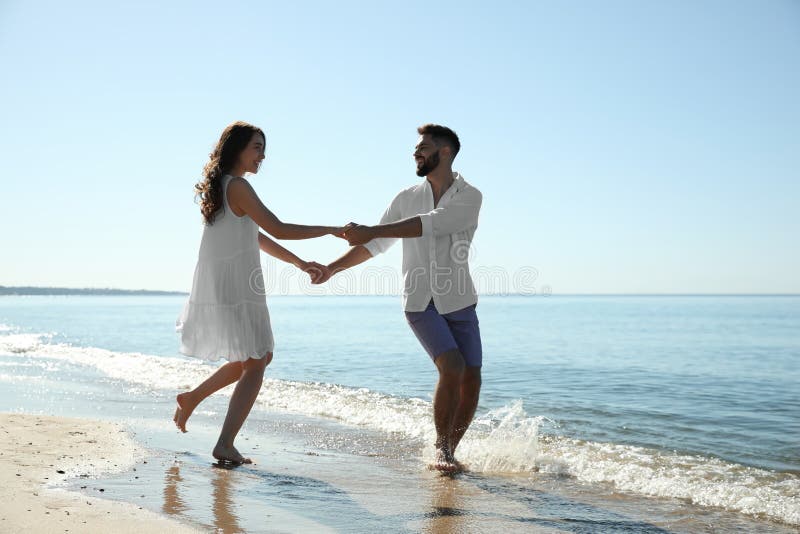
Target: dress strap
x,y
227,207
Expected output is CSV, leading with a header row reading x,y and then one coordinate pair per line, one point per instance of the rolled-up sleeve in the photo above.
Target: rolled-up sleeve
x,y
382,244
457,215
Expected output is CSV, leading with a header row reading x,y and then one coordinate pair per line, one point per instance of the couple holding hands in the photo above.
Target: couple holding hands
x,y
226,317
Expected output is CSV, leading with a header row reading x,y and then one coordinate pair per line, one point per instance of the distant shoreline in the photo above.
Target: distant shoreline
x,y
64,291
30,290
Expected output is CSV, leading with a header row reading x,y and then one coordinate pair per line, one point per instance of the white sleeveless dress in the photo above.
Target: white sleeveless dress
x,y
226,314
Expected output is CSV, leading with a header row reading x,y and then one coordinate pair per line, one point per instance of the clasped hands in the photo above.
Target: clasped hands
x,y
354,234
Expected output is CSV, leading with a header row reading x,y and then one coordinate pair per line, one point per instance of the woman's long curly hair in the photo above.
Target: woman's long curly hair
x,y
232,142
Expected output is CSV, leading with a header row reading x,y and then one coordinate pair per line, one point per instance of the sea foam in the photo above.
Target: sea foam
x,y
503,440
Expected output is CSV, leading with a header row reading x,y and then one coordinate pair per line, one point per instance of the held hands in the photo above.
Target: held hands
x,y
340,231
356,234
327,272
319,273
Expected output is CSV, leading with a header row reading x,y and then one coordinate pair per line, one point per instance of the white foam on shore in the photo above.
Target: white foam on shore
x,y
505,440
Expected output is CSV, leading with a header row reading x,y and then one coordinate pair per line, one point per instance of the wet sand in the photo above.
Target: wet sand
x,y
39,453
312,475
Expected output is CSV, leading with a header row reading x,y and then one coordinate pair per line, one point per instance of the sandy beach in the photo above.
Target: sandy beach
x,y
38,453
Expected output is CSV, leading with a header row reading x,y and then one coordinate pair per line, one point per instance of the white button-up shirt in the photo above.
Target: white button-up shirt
x,y
435,265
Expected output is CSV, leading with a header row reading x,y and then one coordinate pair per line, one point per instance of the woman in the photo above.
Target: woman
x,y
226,314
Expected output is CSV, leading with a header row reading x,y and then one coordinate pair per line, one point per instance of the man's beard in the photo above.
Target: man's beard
x,y
429,164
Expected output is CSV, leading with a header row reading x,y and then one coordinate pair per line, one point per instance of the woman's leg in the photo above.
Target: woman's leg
x,y
187,402
239,408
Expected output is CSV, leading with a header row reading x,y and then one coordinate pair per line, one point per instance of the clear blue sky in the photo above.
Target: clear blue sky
x,y
621,147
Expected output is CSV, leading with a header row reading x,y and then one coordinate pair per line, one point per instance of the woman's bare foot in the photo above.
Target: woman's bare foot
x,y
230,454
186,405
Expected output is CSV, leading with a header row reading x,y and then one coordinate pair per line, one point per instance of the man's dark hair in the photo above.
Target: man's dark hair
x,y
441,134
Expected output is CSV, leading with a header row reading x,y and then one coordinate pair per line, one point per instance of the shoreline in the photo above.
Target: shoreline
x,y
40,454
165,481
342,444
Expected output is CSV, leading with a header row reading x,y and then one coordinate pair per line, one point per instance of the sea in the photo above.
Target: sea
x,y
598,413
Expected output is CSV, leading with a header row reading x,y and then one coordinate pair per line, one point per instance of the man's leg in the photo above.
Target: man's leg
x,y
446,399
465,328
433,333
470,391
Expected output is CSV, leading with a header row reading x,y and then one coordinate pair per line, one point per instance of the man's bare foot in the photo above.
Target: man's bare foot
x,y
186,406
445,462
230,454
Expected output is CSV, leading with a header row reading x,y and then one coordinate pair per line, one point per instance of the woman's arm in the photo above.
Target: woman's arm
x,y
272,248
276,251
242,196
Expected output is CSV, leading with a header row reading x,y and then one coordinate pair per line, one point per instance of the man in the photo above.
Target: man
x,y
436,220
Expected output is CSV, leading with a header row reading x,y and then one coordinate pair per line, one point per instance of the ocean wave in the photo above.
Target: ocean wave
x,y
504,440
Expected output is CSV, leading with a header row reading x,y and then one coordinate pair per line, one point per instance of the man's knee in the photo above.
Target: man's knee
x,y
450,363
472,376
471,381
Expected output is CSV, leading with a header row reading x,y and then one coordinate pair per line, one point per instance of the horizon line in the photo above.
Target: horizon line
x,y
42,290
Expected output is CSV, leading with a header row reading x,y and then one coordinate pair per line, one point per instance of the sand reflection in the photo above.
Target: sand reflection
x,y
225,520
173,504
222,501
447,513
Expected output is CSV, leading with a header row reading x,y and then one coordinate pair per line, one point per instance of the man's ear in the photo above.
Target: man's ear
x,y
448,151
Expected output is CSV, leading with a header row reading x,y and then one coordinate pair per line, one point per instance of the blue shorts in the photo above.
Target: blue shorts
x,y
440,333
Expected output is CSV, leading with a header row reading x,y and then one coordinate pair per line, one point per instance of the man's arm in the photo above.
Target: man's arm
x,y
351,258
358,235
454,217
359,254
390,223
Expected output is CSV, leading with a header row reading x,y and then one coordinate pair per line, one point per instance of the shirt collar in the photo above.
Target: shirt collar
x,y
455,187
458,181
